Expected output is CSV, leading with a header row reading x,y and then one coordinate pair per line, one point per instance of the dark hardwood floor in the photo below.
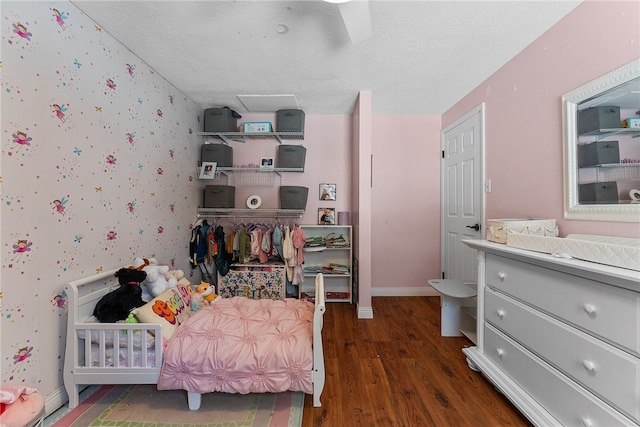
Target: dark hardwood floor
x,y
397,370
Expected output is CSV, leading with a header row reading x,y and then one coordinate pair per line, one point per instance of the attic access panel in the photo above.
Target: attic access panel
x,y
268,103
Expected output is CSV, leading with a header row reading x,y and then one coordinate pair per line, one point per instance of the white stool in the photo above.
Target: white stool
x,y
455,296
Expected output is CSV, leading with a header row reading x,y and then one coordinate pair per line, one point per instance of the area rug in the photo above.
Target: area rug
x,y
146,406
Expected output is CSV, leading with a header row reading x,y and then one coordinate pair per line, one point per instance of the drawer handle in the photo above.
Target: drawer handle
x,y
500,352
590,309
500,312
501,275
586,422
589,365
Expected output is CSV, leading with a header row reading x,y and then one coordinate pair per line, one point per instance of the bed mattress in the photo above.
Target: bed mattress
x,y
615,251
239,345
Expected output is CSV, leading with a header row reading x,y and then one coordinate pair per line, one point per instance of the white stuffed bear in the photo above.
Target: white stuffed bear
x,y
172,275
156,282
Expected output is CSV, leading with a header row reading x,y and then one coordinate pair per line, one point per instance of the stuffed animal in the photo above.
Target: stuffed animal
x,y
207,291
140,263
156,282
117,305
197,302
174,275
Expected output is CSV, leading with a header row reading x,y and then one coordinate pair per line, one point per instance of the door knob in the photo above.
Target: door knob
x,y
474,226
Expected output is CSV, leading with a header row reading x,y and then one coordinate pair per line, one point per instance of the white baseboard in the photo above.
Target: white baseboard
x,y
365,312
55,400
418,291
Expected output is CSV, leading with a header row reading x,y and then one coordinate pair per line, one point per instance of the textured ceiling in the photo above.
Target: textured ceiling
x,y
423,57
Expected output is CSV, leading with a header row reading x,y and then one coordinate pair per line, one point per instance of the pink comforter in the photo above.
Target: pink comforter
x,y
238,345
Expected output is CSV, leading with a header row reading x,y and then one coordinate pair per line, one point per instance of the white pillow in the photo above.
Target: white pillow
x,y
163,309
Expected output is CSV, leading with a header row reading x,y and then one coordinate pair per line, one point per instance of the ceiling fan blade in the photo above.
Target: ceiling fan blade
x,y
357,19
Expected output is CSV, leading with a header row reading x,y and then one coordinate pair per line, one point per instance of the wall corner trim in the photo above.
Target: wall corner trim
x,y
365,312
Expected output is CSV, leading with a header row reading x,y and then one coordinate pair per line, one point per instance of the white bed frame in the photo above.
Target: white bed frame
x,y
82,296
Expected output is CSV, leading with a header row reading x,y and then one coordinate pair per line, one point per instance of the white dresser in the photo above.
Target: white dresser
x,y
559,337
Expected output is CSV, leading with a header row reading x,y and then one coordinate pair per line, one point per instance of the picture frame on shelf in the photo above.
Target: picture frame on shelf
x,y
327,192
326,216
266,163
208,170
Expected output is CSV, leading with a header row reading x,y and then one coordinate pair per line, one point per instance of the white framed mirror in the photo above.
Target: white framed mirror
x,y
602,152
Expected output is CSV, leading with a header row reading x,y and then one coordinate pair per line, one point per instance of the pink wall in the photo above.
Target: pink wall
x,y
328,160
397,221
523,111
406,201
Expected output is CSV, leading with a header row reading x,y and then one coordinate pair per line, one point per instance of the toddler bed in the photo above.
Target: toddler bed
x,y
95,356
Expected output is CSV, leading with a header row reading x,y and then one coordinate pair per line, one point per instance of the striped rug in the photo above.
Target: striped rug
x,y
144,405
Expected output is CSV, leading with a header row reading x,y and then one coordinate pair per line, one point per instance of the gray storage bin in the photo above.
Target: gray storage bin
x,y
596,118
222,154
290,120
598,153
219,196
291,156
293,197
599,192
219,120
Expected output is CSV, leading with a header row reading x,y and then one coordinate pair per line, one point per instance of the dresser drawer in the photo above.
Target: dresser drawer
x,y
564,399
606,370
610,312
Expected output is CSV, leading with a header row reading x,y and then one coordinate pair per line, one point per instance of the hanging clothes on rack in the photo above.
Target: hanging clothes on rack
x,y
298,240
230,242
222,258
276,238
244,244
199,251
288,252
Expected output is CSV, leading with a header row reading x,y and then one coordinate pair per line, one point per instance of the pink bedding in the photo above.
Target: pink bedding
x,y
238,345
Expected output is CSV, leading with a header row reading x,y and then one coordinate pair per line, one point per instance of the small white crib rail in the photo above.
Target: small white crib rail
x,y
82,296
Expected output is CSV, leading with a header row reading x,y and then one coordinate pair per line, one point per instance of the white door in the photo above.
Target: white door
x,y
462,194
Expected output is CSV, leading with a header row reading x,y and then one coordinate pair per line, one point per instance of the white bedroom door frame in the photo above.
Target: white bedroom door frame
x,y
462,194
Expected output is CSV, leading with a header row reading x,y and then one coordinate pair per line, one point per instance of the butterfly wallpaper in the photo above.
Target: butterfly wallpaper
x,y
99,154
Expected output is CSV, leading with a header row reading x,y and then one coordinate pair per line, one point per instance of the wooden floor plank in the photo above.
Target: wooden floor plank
x,y
397,370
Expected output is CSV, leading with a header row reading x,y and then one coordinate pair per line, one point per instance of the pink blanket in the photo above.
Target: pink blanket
x,y
238,345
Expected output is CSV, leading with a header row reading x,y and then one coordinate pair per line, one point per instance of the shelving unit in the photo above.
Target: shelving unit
x,y
338,286
249,177
228,137
606,133
249,213
616,171
256,176
609,174
259,177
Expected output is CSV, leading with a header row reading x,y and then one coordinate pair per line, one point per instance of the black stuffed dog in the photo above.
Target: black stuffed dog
x,y
118,304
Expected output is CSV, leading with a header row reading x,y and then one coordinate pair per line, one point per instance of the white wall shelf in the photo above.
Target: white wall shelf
x,y
249,213
228,137
605,133
615,172
251,176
